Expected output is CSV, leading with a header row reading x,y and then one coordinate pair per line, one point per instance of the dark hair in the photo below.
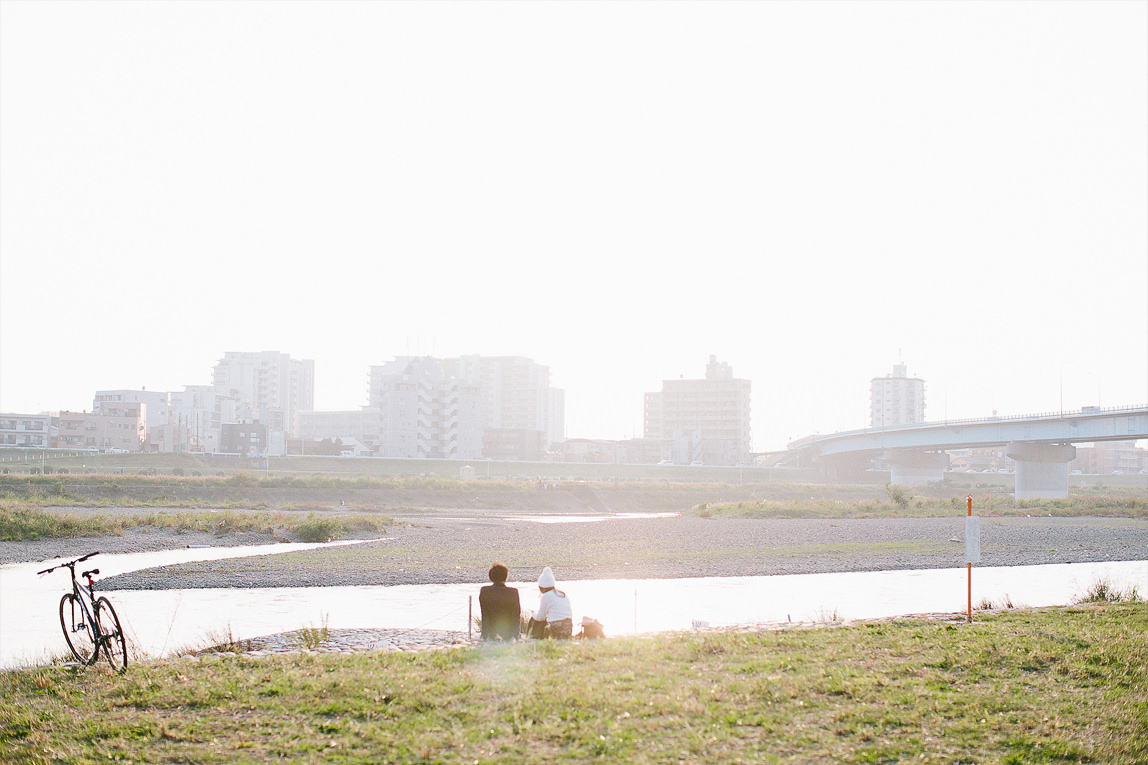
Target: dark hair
x,y
498,572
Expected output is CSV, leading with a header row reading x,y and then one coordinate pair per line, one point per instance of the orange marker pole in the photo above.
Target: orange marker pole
x,y
969,500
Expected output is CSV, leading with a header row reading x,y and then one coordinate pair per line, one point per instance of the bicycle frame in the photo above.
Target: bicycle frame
x,y
86,599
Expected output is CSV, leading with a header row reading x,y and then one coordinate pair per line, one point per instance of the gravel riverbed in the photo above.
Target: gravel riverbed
x,y
438,548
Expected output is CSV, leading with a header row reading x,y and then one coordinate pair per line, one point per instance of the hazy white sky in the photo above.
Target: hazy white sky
x,y
808,190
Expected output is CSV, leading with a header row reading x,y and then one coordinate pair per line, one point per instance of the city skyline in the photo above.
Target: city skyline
x,y
898,369
812,192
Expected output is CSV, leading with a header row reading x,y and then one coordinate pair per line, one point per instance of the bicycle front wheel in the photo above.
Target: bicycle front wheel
x,y
78,630
112,635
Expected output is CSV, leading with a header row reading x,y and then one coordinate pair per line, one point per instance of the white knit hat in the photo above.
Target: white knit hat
x,y
547,578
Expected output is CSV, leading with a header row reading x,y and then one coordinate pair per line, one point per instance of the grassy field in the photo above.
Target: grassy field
x,y
903,502
56,461
63,462
1044,686
250,491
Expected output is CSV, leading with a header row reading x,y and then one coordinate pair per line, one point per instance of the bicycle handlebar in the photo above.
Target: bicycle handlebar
x,y
69,563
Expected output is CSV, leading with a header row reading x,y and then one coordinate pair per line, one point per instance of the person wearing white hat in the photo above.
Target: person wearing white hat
x,y
554,617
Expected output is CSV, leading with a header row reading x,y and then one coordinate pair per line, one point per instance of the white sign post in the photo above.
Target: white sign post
x,y
972,539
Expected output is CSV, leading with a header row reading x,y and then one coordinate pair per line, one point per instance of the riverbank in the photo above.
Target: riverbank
x,y
446,548
894,691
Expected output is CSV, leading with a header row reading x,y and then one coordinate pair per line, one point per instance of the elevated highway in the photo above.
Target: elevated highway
x,y
1041,445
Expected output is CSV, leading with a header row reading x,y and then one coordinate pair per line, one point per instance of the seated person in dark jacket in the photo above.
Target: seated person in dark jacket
x,y
501,611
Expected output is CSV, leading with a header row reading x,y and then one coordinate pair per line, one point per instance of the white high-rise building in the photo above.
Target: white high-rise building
x,y
711,416
517,402
896,399
267,386
424,412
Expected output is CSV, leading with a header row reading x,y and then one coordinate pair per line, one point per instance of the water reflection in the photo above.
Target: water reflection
x,y
29,603
160,622
564,518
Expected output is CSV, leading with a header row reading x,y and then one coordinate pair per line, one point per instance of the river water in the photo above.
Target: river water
x,y
161,622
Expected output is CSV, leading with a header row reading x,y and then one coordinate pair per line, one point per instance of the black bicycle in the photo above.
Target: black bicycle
x,y
90,625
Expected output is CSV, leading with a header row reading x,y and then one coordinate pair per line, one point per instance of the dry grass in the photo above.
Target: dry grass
x,y
1045,686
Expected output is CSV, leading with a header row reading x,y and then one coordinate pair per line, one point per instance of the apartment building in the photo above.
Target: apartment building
x,y
896,399
246,438
161,436
518,404
267,386
157,403
25,431
199,413
118,427
1107,457
424,412
709,418
499,407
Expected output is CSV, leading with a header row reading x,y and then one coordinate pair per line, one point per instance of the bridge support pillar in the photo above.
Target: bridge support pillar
x,y
1041,469
909,467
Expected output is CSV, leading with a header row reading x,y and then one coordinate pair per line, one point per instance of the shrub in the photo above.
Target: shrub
x,y
897,494
242,479
316,529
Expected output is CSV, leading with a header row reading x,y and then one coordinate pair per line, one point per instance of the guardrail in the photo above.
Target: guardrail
x,y
1090,411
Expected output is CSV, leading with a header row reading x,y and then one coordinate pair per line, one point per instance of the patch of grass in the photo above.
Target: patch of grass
x,y
316,529
219,641
312,637
1103,591
907,690
27,523
987,604
828,616
18,524
35,486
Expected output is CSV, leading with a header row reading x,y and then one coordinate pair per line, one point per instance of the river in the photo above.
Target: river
x,y
162,622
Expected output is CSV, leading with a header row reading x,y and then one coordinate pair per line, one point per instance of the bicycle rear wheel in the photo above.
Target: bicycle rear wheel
x,y
78,631
112,635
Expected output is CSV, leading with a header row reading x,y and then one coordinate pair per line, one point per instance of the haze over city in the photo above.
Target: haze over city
x,y
812,192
